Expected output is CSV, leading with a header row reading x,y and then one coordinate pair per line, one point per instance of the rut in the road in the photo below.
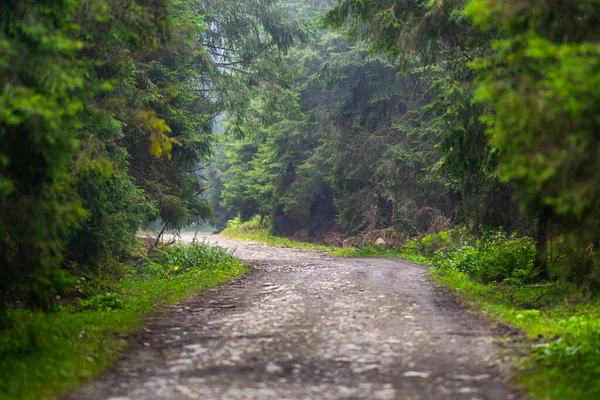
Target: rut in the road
x,y
307,325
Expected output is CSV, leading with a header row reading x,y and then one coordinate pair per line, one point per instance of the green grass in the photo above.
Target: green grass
x,y
562,334
263,236
372,251
43,355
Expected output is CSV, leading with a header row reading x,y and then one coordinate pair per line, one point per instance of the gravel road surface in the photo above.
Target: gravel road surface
x,y
306,325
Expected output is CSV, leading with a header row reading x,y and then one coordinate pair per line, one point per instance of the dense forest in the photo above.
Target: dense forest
x,y
412,117
107,109
335,120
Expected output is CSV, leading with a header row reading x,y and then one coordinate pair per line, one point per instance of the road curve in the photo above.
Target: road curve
x,y
306,325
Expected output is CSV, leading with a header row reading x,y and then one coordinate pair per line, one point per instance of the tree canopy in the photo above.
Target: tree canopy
x,y
345,118
416,115
107,113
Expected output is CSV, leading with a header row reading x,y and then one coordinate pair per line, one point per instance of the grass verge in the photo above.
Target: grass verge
x,y
263,236
372,251
562,358
44,355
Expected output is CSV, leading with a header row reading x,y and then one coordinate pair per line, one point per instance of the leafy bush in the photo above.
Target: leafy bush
x,y
435,242
255,223
445,241
104,302
413,246
115,208
172,260
494,258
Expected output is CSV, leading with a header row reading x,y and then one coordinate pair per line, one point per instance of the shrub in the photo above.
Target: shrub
x,y
493,258
445,241
255,223
104,302
434,242
180,259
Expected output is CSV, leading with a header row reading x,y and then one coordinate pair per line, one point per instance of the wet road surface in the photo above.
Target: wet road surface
x,y
306,325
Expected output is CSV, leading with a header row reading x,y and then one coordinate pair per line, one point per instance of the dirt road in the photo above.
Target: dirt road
x,y
306,325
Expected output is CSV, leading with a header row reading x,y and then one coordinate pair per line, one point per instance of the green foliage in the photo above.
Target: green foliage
x,y
103,302
436,242
494,258
174,261
41,98
540,84
115,208
106,122
257,230
44,356
560,359
572,357
253,224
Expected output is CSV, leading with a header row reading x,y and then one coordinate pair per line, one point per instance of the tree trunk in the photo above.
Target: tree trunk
x,y
541,249
455,200
160,234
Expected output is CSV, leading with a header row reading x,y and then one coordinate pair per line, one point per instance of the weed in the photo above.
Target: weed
x,y
107,302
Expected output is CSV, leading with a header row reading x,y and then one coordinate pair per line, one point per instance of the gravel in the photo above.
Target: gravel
x,y
306,325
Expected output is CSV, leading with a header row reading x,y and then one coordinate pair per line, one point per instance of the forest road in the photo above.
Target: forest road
x,y
306,325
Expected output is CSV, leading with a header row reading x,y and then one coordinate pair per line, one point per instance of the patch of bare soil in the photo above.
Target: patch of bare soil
x,y
306,325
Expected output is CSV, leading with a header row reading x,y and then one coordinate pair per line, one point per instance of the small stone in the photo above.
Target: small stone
x,y
385,394
416,374
470,377
273,368
468,390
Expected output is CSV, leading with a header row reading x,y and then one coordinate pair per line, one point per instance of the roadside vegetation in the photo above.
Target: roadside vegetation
x,y
560,318
108,116
258,230
44,354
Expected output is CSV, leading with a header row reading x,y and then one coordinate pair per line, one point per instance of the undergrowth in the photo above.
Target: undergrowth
x,y
43,355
